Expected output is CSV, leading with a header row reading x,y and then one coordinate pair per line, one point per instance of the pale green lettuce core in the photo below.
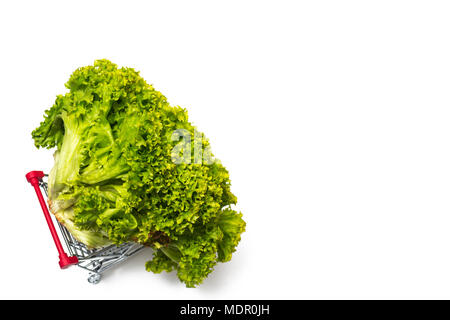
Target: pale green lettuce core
x,y
114,180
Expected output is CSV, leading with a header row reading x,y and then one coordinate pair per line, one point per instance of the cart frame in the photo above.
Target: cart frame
x,y
96,261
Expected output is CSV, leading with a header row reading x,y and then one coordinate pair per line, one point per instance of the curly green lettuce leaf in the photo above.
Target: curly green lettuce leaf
x,y
232,226
194,255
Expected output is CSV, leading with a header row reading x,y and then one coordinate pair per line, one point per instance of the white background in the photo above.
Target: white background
x,y
331,116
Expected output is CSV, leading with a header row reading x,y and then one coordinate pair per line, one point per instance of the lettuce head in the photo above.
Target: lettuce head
x,y
125,171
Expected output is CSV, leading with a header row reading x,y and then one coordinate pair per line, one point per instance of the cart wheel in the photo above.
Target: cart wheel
x,y
94,278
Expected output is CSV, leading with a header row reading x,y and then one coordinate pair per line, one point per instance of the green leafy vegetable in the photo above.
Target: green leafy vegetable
x,y
118,177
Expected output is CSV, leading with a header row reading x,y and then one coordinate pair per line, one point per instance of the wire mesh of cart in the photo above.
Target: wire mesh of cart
x,y
96,261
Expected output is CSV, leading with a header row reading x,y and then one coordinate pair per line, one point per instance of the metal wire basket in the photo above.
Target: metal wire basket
x,y
96,261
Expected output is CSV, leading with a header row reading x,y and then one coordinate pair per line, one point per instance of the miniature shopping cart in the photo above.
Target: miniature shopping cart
x,y
96,261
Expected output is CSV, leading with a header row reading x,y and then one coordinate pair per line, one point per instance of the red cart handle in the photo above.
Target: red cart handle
x,y
34,177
